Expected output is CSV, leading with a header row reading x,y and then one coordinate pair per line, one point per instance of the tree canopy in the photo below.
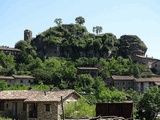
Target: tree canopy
x,y
58,21
80,20
149,104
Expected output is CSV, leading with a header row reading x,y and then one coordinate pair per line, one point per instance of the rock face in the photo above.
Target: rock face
x,y
131,45
74,41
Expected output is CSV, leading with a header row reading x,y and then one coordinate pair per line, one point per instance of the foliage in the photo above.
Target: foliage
x,y
97,29
135,97
104,94
80,20
150,103
17,86
84,83
58,21
41,86
3,85
79,109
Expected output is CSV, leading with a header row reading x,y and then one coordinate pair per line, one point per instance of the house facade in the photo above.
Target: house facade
x,y
142,84
144,60
123,82
12,51
20,79
156,66
139,84
35,105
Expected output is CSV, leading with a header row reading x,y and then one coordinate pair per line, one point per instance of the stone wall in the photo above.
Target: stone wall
x,y
42,114
8,111
27,34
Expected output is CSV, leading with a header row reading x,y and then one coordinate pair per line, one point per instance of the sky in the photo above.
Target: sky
x,y
120,17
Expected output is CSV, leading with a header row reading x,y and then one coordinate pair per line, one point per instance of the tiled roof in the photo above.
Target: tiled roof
x,y
122,77
87,68
6,78
35,96
144,57
23,77
9,49
157,83
16,77
153,79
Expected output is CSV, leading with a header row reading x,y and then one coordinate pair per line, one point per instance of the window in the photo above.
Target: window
x,y
21,81
6,105
1,106
128,83
155,65
123,83
24,106
47,107
117,83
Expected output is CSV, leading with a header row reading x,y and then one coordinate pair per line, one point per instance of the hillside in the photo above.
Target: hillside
x,y
74,41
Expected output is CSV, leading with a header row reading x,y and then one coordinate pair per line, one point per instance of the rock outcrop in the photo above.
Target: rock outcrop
x,y
131,45
74,41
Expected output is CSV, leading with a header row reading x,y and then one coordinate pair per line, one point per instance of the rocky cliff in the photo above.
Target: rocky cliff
x,y
74,41
131,45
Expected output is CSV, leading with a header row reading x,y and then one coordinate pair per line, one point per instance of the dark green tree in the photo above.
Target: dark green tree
x,y
3,85
80,20
58,21
136,72
97,29
150,103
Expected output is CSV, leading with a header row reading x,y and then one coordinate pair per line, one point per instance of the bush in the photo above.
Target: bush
x,y
79,109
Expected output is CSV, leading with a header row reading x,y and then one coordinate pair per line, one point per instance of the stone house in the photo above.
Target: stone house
x,y
35,105
123,82
156,66
12,51
139,84
142,84
20,79
144,60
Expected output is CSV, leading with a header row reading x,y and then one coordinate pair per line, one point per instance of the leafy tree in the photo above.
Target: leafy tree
x,y
41,86
150,103
85,82
37,63
136,72
3,85
97,29
58,21
79,109
17,86
6,60
80,20
104,94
